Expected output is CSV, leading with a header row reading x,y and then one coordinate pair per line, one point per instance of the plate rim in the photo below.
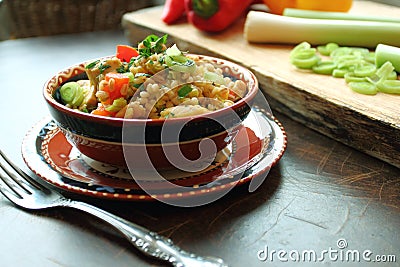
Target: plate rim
x,y
29,151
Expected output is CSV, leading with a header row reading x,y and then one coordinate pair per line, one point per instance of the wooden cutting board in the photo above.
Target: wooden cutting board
x,y
368,123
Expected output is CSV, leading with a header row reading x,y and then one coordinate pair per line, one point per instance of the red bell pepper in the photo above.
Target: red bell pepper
x,y
126,52
215,15
173,10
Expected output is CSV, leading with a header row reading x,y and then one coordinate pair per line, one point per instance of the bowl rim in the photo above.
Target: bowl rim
x,y
252,92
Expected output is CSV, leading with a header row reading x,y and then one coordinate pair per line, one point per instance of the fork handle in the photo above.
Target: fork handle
x,y
148,242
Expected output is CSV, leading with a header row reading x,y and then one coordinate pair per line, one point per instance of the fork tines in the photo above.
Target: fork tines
x,y
10,180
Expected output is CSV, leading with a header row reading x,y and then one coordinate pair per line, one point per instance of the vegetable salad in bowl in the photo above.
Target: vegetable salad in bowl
x,y
152,81
150,97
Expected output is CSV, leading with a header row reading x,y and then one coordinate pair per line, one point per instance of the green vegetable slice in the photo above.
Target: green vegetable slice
x,y
389,86
327,49
324,67
364,70
339,73
385,69
299,47
392,76
370,57
78,98
117,105
184,90
366,88
177,61
305,53
306,63
173,51
214,77
357,65
351,77
341,51
189,66
68,91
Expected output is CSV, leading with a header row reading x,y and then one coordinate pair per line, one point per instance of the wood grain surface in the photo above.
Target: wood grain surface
x,y
368,123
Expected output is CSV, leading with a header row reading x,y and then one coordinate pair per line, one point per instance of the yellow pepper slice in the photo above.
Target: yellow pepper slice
x,y
336,5
277,6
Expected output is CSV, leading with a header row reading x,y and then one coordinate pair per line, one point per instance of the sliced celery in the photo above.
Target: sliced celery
x,y
173,51
384,71
177,61
306,63
305,53
364,70
365,88
117,105
130,76
339,73
324,67
327,49
370,57
303,56
301,46
389,86
214,77
351,77
357,65
392,76
341,51
189,66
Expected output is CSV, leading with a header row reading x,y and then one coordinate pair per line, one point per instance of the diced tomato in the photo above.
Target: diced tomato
x,y
126,52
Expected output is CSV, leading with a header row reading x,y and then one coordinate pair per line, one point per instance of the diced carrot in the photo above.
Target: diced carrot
x,y
126,52
119,81
101,111
119,78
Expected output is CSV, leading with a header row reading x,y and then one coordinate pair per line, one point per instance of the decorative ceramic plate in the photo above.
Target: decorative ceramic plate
x,y
54,159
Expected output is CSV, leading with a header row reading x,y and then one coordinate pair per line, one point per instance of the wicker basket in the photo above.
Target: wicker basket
x,y
49,17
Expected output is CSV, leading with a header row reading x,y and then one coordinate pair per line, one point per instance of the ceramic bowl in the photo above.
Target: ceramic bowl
x,y
102,138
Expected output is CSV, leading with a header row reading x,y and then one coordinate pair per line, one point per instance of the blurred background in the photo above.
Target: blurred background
x,y
28,18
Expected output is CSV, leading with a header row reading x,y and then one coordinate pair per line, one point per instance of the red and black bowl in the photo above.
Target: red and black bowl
x,y
103,138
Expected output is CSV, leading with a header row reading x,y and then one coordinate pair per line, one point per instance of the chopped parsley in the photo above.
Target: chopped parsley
x,y
121,69
102,67
184,90
152,45
131,62
92,65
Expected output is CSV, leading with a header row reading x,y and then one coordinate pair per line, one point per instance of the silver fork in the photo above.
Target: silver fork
x,y
26,193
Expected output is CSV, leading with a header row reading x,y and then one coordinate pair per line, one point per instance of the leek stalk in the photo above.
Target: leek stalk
x,y
262,27
314,14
